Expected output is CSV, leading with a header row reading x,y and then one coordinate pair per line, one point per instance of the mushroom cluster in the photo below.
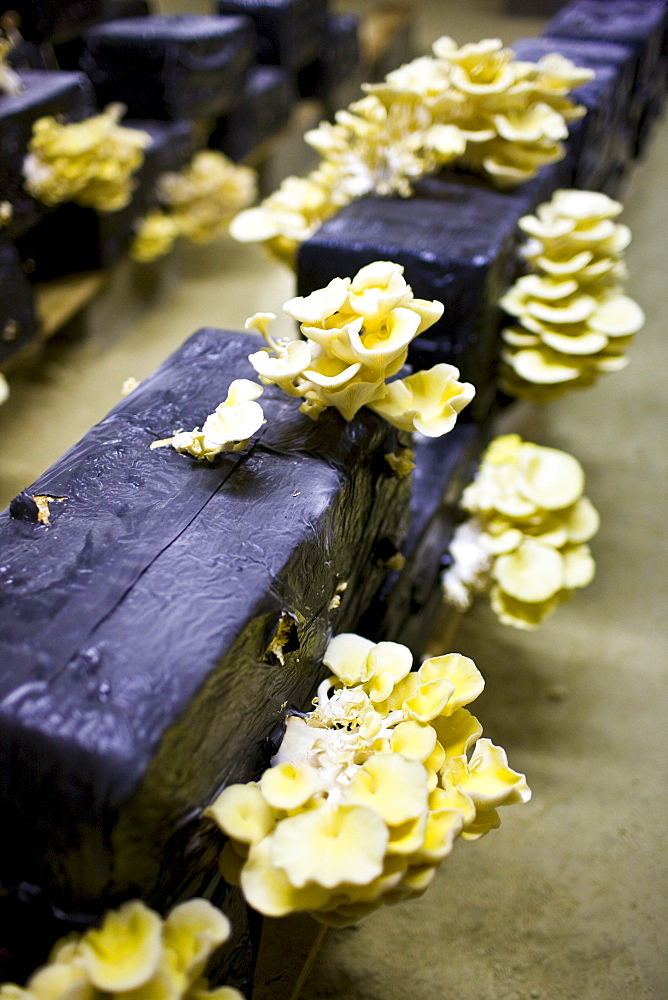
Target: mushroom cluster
x,y
134,954
197,204
525,543
475,104
357,333
228,428
574,321
91,162
368,793
4,389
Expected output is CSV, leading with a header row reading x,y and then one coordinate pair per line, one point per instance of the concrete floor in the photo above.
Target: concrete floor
x,y
567,901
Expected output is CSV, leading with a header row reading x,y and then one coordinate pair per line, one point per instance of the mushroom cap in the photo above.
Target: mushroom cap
x,y
394,786
242,812
416,740
124,953
457,732
330,845
523,615
268,890
550,478
461,671
540,366
533,573
288,786
581,520
579,566
617,316
346,656
55,981
192,932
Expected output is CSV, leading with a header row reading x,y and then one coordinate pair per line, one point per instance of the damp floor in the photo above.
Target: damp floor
x,y
567,900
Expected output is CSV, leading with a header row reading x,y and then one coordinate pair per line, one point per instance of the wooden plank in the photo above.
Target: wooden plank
x,y
59,300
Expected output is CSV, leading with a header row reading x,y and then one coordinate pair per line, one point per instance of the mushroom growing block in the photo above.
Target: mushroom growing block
x,y
290,32
18,322
640,24
169,67
155,631
262,110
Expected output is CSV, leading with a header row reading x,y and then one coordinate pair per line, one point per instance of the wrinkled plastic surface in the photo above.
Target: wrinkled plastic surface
x,y
18,321
136,630
170,67
261,111
290,32
405,607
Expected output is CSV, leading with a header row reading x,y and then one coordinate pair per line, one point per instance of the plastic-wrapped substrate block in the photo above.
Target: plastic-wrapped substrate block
x,y
18,322
261,110
290,32
170,67
153,635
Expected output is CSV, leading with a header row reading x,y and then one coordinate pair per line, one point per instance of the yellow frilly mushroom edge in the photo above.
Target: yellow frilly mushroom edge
x,y
368,792
525,541
134,954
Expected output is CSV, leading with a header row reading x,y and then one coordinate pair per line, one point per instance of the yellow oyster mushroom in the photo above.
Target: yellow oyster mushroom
x,y
428,401
267,888
330,845
575,310
60,981
487,779
526,615
491,782
436,758
125,952
531,124
242,812
394,869
393,786
320,304
484,821
581,521
579,566
416,740
347,657
430,699
563,266
542,287
408,837
219,993
11,991
155,237
391,658
506,541
541,366
534,572
449,796
550,478
288,786
291,362
456,733
381,345
192,932
443,828
584,205
582,344
404,689
463,674
617,316
379,288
